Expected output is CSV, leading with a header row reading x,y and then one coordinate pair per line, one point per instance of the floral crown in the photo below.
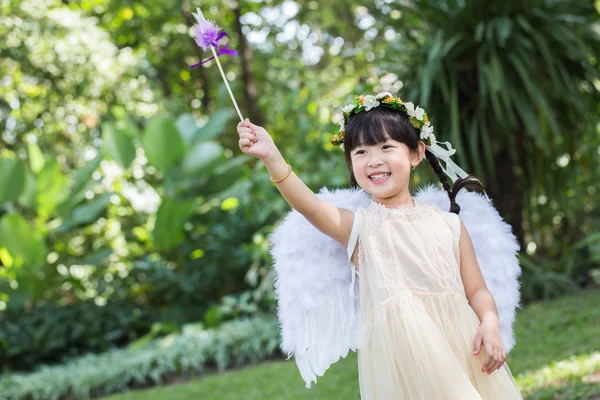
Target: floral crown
x,y
417,116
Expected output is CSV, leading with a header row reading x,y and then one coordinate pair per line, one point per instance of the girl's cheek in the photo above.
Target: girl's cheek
x,y
358,166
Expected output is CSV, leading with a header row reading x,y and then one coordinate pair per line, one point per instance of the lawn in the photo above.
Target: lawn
x,y
557,356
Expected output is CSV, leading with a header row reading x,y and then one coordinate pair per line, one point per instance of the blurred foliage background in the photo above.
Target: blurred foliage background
x,y
126,207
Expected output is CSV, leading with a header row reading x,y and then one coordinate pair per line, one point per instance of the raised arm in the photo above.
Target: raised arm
x,y
332,221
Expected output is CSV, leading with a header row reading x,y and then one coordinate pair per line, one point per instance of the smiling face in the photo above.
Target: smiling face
x,y
381,148
383,170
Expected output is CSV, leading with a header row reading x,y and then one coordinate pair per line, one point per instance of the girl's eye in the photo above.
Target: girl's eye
x,y
360,152
386,146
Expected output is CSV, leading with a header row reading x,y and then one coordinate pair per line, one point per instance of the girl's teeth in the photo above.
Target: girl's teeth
x,y
379,176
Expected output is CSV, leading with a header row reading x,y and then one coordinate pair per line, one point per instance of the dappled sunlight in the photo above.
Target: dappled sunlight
x,y
583,368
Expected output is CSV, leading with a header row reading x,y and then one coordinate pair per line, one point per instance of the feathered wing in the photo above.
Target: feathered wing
x,y
496,248
319,320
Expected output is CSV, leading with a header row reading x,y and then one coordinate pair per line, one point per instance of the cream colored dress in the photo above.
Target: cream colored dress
x,y
418,328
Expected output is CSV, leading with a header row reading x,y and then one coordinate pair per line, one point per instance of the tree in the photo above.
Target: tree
x,y
511,84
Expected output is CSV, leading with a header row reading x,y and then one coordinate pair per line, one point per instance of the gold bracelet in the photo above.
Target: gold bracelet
x,y
285,176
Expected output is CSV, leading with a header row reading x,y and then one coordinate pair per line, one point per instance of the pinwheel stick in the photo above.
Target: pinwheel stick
x,y
227,84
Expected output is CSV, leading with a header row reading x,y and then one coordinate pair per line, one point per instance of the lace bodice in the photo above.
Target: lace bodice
x,y
407,251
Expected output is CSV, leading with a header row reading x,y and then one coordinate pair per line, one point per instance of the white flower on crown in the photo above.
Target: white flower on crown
x,y
382,95
347,108
419,113
370,102
342,124
412,112
410,109
427,131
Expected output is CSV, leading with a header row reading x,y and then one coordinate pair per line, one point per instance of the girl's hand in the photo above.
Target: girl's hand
x,y
489,334
255,140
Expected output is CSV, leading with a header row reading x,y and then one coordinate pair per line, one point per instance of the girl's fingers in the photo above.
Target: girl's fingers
x,y
487,363
257,128
498,359
477,344
244,123
251,125
502,358
489,358
246,135
245,130
245,143
495,361
492,363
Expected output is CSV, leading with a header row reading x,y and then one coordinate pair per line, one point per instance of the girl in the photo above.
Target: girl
x,y
429,329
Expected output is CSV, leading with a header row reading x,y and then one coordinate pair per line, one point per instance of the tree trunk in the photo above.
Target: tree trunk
x,y
205,83
506,187
250,94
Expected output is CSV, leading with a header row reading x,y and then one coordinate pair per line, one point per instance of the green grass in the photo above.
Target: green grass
x,y
557,356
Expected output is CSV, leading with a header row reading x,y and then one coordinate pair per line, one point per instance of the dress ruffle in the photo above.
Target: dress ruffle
x,y
418,347
418,328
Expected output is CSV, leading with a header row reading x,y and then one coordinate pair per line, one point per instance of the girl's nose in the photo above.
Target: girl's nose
x,y
375,161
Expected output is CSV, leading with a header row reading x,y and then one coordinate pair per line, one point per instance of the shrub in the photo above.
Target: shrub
x,y
50,333
195,350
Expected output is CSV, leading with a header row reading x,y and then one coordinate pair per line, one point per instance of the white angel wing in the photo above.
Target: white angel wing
x,y
496,248
319,319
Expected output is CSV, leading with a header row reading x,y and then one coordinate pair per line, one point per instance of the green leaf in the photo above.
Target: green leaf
x,y
550,61
168,229
521,20
214,126
450,44
225,176
537,96
36,158
479,31
12,179
90,211
473,140
504,28
163,143
65,207
29,196
86,213
117,145
188,128
24,243
84,174
203,158
51,188
488,151
455,121
82,182
97,257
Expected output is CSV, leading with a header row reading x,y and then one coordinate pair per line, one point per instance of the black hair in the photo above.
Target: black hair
x,y
382,123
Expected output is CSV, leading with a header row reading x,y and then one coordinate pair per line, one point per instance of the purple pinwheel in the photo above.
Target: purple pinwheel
x,y
207,36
